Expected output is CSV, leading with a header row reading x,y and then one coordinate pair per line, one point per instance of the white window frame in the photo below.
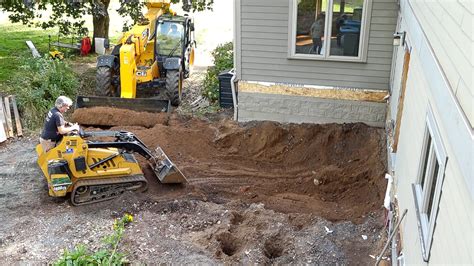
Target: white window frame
x,y
364,35
426,225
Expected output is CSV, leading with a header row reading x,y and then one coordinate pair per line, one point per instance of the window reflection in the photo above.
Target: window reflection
x,y
347,16
310,26
344,34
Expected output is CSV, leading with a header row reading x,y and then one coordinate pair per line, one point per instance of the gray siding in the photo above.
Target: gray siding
x,y
263,49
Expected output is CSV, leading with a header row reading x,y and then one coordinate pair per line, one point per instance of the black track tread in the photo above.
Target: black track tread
x,y
104,85
172,86
107,181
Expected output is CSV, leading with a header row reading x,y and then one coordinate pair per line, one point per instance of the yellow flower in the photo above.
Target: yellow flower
x,y
127,218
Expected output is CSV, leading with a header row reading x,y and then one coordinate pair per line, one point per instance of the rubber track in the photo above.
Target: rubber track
x,y
108,181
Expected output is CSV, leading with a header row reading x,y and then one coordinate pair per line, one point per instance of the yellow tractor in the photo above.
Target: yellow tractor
x,y
91,171
156,53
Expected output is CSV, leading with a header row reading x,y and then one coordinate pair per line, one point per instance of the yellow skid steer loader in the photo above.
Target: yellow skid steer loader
x,y
92,171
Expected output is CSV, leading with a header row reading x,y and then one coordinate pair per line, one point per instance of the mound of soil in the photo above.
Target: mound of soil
x,y
105,116
332,170
258,193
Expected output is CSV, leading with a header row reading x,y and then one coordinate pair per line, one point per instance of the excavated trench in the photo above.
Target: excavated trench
x,y
334,171
258,193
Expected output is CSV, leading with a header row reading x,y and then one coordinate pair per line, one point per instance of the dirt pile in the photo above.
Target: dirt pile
x,y
104,116
335,171
258,193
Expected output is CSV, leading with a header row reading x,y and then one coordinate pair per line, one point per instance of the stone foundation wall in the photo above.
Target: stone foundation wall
x,y
302,109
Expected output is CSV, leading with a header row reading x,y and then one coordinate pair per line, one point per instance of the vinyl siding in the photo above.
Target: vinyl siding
x,y
263,49
448,27
452,239
426,88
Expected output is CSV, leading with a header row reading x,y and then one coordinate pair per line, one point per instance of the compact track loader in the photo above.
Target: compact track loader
x,y
93,171
156,53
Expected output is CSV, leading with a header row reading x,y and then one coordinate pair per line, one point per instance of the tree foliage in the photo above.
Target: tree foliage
x,y
68,15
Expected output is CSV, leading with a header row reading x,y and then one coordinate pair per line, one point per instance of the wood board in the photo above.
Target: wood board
x,y
19,129
8,117
32,47
3,121
3,136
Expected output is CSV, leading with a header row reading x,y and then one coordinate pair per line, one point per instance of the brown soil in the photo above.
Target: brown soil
x,y
103,116
258,193
333,170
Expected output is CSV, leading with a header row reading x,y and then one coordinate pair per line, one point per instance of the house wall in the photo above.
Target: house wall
x,y
448,25
302,109
263,49
261,55
430,85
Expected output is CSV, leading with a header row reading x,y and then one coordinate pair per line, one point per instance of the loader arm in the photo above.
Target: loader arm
x,y
128,67
165,170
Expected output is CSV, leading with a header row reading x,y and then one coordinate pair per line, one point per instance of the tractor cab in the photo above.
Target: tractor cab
x,y
174,45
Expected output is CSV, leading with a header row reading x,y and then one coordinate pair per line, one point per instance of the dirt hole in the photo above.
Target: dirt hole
x,y
236,218
273,247
228,243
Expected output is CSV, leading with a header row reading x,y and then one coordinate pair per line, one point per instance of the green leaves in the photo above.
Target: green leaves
x,y
80,255
223,60
37,83
69,16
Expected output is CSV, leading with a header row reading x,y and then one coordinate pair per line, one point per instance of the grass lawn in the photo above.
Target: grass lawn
x,y
13,46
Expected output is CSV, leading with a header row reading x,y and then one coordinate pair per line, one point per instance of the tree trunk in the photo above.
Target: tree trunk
x,y
100,19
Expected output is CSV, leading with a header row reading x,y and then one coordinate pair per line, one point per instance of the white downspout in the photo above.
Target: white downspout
x,y
234,94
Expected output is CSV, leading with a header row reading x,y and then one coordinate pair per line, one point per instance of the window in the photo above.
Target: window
x,y
329,29
427,189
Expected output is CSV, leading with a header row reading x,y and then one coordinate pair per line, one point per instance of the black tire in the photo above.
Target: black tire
x,y
104,83
174,84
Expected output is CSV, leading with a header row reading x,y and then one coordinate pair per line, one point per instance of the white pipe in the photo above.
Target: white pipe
x,y
387,200
234,96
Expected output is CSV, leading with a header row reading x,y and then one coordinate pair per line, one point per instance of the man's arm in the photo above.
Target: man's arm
x,y
61,125
65,130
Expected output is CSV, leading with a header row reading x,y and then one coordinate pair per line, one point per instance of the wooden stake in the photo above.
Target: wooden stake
x,y
3,133
19,130
8,116
3,120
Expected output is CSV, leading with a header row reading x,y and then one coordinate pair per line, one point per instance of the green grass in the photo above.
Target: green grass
x,y
13,46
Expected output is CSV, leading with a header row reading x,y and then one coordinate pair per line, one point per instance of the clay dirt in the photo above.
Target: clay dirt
x,y
257,192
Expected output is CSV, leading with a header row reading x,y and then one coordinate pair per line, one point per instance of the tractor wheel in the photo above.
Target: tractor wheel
x,y
104,85
174,86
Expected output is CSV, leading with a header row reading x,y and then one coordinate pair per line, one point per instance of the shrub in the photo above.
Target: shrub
x,y
109,255
223,60
37,83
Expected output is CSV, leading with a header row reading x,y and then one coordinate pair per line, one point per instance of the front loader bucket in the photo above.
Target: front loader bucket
x,y
166,171
136,104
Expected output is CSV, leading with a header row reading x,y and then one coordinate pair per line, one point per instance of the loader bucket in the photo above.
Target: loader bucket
x,y
166,171
136,104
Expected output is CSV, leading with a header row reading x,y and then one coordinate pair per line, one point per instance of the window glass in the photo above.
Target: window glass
x,y
310,26
169,37
432,190
425,162
346,27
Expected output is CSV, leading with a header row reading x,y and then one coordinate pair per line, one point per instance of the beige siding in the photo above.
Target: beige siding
x,y
263,50
453,235
448,27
